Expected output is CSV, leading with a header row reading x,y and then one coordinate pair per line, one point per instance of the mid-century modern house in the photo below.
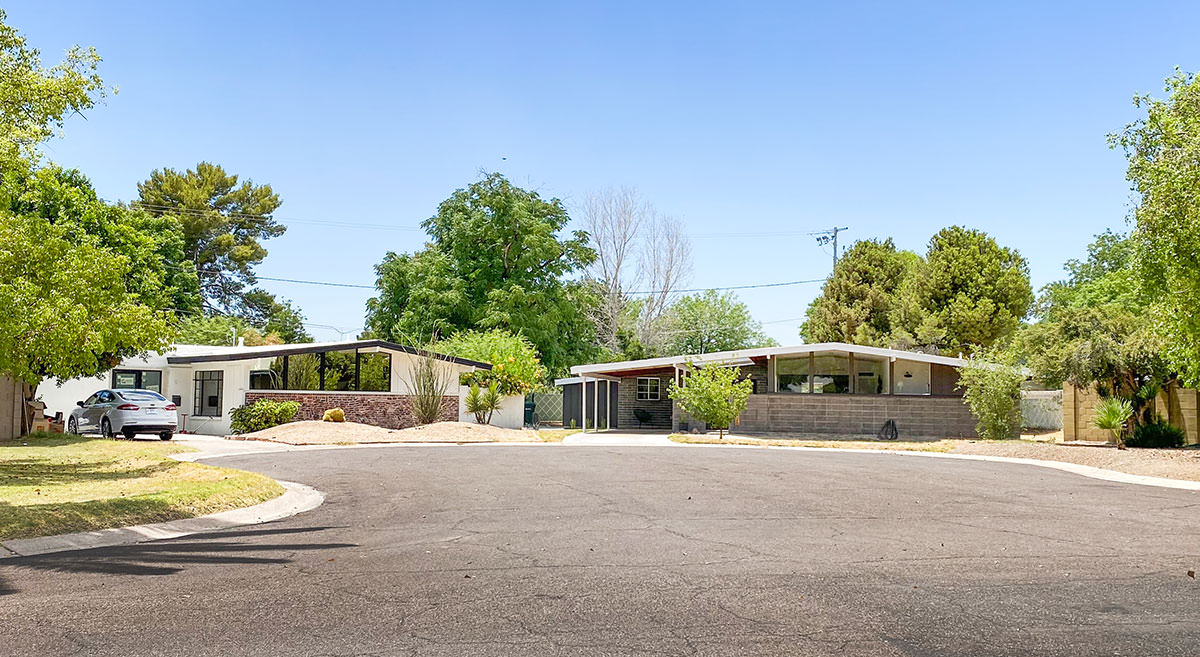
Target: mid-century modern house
x,y
368,379
829,387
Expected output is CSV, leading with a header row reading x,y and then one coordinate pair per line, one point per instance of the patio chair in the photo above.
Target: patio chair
x,y
641,415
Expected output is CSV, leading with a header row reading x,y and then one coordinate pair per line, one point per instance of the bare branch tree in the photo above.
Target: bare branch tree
x,y
614,219
665,266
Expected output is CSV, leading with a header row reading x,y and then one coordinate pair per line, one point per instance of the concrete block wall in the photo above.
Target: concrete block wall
x,y
915,416
1180,407
660,411
379,409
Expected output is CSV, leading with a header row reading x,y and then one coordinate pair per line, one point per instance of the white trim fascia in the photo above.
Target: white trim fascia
x,y
739,354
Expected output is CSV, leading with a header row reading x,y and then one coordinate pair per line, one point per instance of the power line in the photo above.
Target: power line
x,y
262,218
733,287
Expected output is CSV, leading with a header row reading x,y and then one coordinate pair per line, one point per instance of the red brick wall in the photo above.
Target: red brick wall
x,y
381,410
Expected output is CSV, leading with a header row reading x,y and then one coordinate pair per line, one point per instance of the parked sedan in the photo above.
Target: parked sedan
x,y
126,412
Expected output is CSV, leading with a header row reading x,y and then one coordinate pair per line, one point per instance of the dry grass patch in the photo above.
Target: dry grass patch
x,y
55,484
847,442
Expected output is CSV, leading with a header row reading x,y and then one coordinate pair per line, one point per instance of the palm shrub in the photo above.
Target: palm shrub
x,y
482,402
262,414
713,395
428,379
1112,413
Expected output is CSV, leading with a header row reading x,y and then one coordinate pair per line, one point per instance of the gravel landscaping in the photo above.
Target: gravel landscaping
x,y
314,432
1169,463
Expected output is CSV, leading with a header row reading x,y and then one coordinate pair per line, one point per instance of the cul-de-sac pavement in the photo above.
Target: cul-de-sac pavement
x,y
559,550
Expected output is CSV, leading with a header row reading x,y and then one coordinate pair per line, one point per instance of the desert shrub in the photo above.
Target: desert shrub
x,y
991,385
713,395
482,402
334,415
262,414
1157,433
428,379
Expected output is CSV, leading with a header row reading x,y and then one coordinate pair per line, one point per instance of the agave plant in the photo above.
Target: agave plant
x,y
1112,413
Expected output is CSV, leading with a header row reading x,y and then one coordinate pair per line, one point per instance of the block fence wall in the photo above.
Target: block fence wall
x,y
1179,406
921,416
378,409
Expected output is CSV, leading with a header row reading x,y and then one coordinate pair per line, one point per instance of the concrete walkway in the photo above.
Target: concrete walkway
x,y
619,438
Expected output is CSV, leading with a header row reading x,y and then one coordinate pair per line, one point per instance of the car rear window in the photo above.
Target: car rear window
x,y
141,395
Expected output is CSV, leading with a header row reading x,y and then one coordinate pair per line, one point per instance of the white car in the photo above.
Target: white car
x,y
127,412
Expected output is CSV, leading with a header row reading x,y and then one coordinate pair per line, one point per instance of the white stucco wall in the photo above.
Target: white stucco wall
x,y
510,416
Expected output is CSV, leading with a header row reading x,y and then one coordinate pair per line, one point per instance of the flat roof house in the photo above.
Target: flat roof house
x,y
829,387
369,379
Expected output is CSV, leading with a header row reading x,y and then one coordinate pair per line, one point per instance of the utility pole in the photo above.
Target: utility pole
x,y
830,237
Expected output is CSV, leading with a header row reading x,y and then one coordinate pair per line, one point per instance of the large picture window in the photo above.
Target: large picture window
x,y
792,374
870,377
346,370
209,386
647,388
144,379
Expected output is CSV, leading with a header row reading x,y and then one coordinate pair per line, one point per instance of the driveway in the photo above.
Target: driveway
x,y
558,550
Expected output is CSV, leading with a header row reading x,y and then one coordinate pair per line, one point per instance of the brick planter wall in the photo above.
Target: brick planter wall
x,y
378,409
942,417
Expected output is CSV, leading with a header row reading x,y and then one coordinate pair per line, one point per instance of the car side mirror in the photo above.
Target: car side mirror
x,y
79,404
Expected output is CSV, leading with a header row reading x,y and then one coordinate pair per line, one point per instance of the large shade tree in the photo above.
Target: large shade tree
x,y
1163,149
224,221
711,321
496,259
857,302
74,298
970,293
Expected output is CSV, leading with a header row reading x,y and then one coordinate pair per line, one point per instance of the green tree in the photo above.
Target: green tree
x,y
35,99
495,259
516,369
1092,328
159,273
857,303
711,321
51,325
1163,150
970,293
713,395
224,223
273,316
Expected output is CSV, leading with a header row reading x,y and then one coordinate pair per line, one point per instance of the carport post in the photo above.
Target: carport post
x,y
608,404
596,406
583,402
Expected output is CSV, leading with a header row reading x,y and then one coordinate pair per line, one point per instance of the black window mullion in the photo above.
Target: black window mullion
x,y
357,369
286,382
321,371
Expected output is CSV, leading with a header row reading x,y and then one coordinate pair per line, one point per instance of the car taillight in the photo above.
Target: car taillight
x,y
127,407
171,407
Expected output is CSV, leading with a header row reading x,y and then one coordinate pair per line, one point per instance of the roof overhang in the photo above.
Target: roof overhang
x,y
743,357
252,353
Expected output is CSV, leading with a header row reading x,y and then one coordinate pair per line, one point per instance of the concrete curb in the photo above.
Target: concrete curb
x,y
1074,468
297,498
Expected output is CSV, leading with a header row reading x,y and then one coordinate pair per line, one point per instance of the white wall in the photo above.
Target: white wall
x,y
510,416
918,383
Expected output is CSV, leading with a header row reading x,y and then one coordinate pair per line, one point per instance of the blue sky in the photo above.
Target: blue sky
x,y
752,123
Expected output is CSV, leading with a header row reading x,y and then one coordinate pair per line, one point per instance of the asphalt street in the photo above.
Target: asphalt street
x,y
558,550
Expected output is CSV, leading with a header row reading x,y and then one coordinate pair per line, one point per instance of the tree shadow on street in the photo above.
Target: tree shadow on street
x,y
170,556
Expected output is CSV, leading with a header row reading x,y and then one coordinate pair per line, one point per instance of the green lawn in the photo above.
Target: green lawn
x,y
55,484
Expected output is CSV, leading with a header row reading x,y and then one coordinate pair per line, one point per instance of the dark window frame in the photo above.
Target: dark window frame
x,y
139,377
200,377
355,386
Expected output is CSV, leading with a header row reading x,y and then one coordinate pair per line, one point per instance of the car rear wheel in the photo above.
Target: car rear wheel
x,y
129,435
166,435
106,429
